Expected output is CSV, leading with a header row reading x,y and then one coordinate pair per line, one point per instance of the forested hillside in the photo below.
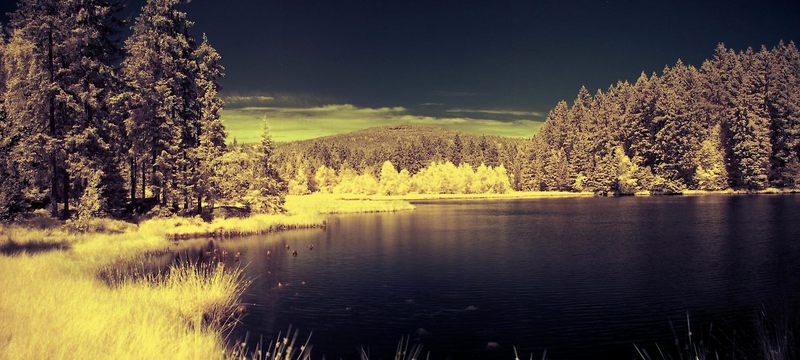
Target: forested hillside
x,y
734,122
408,147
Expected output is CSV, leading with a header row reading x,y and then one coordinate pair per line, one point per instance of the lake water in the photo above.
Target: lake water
x,y
584,278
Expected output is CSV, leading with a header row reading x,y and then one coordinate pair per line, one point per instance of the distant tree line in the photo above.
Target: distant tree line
x,y
436,178
734,122
93,125
407,147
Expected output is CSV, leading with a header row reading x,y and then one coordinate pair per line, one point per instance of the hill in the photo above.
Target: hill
x,y
410,147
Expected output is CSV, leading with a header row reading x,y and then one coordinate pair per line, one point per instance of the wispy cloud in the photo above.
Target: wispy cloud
x,y
451,93
297,123
274,99
496,112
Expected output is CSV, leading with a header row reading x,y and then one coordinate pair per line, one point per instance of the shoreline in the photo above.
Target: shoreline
x,y
184,313
530,195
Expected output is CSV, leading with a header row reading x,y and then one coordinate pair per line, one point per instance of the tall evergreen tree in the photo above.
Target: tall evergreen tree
x,y
212,135
677,125
270,186
746,121
164,114
783,104
60,67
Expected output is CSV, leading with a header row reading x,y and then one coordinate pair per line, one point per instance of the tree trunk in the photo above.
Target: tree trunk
x,y
52,130
144,181
53,186
65,179
133,178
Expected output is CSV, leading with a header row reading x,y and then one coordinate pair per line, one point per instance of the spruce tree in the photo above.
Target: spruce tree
x,y
677,125
270,186
211,132
158,70
746,121
60,67
783,104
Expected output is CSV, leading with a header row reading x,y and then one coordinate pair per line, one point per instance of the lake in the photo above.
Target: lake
x,y
583,278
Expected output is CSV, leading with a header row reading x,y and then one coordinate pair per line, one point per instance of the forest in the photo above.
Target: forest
x,y
95,125
734,122
409,148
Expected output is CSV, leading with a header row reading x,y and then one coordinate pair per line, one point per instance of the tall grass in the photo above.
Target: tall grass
x,y
773,339
185,228
55,308
64,295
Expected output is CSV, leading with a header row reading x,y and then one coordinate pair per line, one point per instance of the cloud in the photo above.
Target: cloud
x,y
238,100
449,93
298,123
274,99
496,112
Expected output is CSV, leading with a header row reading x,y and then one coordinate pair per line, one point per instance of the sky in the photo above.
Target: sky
x,y
315,68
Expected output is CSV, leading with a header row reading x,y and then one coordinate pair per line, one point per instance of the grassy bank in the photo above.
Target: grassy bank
x,y
540,195
59,302
344,204
509,195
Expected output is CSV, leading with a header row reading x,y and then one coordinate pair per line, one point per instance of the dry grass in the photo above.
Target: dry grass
x,y
56,307
184,228
55,303
340,204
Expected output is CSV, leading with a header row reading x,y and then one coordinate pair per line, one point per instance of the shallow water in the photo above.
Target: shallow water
x,y
584,278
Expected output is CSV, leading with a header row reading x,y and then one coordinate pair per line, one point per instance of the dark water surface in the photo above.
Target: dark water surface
x,y
584,278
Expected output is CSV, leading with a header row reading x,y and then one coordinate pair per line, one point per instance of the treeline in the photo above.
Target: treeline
x,y
436,178
734,122
407,147
96,126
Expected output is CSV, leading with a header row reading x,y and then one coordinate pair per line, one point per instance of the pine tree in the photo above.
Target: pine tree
x,y
579,137
677,125
60,67
212,133
783,104
711,173
556,174
269,185
638,133
12,199
746,121
158,70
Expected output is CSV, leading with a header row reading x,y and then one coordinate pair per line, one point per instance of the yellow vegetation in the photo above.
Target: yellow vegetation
x,y
341,204
508,196
77,302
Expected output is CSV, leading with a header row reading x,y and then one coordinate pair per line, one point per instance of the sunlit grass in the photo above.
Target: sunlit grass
x,y
71,294
508,195
56,307
182,228
342,204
